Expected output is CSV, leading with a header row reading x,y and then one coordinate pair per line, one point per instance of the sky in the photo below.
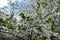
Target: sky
x,y
22,5
3,3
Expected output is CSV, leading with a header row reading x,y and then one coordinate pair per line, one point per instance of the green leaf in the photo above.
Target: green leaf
x,y
49,20
38,0
52,28
9,25
52,37
42,38
12,14
58,32
1,19
39,28
22,15
10,18
58,1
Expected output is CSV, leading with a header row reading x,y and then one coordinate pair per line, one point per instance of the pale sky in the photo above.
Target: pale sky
x,y
3,3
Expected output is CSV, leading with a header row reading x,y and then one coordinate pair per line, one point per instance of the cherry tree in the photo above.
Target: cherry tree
x,y
39,21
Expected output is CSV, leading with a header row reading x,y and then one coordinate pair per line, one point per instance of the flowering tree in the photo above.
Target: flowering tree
x,y
40,22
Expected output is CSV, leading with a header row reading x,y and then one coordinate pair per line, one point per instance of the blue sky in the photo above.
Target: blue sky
x,y
3,3
23,4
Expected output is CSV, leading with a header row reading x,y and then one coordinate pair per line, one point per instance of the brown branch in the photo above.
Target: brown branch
x,y
12,34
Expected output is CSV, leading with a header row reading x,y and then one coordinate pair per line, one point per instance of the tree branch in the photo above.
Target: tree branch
x,y
12,34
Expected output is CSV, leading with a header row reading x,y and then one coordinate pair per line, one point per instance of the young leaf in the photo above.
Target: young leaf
x,y
22,15
52,37
11,16
39,28
42,38
58,1
1,19
9,25
49,20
